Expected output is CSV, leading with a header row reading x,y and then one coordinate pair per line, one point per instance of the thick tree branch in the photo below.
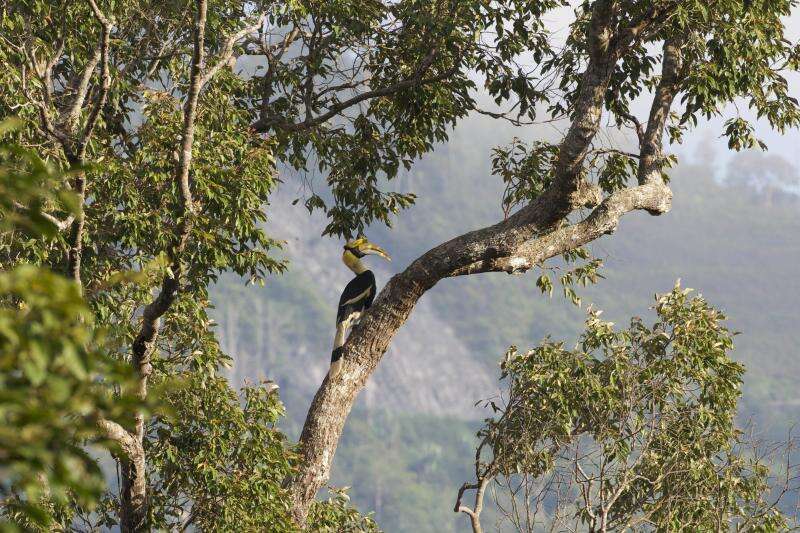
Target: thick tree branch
x,y
120,435
588,104
370,339
654,197
190,109
133,466
652,142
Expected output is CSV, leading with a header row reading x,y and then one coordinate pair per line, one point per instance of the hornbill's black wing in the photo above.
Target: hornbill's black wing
x,y
357,295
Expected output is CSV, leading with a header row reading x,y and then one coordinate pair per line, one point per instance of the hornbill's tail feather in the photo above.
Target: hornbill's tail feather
x,y
336,367
336,354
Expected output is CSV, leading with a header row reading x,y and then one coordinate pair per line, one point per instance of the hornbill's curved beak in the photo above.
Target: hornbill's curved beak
x,y
373,249
363,247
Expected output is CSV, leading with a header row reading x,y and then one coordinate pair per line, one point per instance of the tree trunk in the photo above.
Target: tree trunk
x,y
133,494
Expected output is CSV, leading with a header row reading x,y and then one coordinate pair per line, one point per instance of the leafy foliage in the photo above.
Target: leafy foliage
x,y
218,461
26,188
526,173
56,376
632,428
51,400
336,515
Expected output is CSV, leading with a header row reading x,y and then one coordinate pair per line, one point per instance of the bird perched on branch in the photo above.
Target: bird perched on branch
x,y
357,295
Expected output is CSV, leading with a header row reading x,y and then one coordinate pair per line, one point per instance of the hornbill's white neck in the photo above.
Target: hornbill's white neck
x,y
353,262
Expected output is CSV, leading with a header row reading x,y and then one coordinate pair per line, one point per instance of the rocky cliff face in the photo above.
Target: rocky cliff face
x,y
284,331
443,360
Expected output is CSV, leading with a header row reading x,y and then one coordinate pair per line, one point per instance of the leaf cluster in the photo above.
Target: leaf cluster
x,y
526,171
218,461
28,188
335,514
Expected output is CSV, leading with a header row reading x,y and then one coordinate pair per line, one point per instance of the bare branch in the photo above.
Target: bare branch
x,y
80,91
264,123
190,109
474,513
46,71
105,75
43,69
61,225
227,50
637,126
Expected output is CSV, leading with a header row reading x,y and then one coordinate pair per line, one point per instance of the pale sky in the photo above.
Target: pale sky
x,y
786,146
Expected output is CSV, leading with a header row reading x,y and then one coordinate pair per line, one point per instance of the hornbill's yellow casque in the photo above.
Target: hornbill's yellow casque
x,y
357,295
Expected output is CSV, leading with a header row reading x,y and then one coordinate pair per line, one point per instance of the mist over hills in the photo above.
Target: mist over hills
x,y
408,443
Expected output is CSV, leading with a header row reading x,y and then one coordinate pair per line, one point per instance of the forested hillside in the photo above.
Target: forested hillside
x,y
409,446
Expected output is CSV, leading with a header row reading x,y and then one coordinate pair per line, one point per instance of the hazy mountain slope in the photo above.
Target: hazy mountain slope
x,y
284,331
407,445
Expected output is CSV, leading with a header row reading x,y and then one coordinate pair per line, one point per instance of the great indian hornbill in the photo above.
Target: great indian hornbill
x,y
357,295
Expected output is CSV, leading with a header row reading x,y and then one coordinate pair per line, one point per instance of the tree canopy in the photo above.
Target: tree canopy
x,y
631,430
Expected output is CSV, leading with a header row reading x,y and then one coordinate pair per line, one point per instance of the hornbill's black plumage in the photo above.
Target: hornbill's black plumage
x,y
357,295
